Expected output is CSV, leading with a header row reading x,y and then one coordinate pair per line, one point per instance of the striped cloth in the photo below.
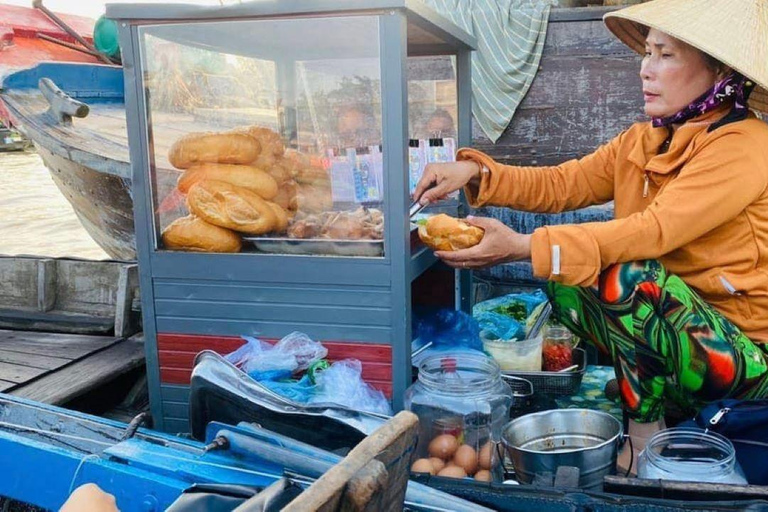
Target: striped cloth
x,y
510,36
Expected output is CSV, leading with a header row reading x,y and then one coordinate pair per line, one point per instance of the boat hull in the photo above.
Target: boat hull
x,y
102,202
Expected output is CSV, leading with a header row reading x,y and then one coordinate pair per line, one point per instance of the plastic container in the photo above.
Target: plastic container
x,y
462,404
690,455
523,355
557,349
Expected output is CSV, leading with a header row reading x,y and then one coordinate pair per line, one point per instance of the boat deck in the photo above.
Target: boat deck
x,y
55,368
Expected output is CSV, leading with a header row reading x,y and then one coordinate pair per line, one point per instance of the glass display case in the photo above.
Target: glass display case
x,y
274,147
260,144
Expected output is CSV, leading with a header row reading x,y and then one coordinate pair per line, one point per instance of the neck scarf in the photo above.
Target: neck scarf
x,y
735,87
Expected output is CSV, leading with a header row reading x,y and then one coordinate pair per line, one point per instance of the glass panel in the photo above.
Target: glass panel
x,y
263,142
432,113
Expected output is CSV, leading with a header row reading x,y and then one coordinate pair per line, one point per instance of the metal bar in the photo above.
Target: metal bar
x,y
70,46
38,4
136,120
464,92
394,82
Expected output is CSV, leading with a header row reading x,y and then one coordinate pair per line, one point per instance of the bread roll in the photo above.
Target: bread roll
x,y
282,217
222,148
314,199
192,233
444,233
279,173
287,196
271,143
244,176
231,207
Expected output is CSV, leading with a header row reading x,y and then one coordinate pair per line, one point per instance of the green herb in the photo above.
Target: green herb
x,y
516,310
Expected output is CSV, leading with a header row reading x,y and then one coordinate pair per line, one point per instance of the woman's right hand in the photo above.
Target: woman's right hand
x,y
439,180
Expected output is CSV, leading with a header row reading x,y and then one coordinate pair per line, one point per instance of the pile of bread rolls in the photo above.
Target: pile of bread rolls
x,y
241,182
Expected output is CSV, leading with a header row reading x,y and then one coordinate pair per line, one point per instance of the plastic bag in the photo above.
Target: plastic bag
x,y
343,384
502,326
300,391
507,316
449,328
263,361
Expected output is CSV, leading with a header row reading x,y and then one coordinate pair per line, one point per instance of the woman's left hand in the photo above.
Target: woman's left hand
x,y
500,244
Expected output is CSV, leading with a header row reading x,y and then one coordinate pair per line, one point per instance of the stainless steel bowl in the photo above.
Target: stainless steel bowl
x,y
543,441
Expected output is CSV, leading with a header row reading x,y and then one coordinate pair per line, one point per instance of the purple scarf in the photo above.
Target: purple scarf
x,y
734,87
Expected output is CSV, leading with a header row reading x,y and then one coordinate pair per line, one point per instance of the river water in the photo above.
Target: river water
x,y
35,218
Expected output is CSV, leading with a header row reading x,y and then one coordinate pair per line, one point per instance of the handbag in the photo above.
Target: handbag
x,y
745,424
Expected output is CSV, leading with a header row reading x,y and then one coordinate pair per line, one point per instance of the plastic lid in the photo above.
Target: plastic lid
x,y
105,37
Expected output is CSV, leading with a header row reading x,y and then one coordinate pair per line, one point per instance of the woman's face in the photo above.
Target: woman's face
x,y
673,73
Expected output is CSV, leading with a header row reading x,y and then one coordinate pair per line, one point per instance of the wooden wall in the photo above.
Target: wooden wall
x,y
587,90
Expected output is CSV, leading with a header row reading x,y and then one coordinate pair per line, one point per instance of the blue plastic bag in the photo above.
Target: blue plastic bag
x,y
450,329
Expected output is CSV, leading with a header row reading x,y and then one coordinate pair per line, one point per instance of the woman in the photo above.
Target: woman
x,y
675,289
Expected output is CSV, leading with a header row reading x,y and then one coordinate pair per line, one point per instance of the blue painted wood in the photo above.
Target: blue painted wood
x,y
278,313
70,78
277,293
176,410
173,393
135,109
394,105
267,268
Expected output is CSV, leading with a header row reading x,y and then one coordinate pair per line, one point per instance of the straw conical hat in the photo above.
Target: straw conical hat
x,y
735,32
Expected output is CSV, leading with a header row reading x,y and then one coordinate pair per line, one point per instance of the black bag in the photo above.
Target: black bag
x,y
745,424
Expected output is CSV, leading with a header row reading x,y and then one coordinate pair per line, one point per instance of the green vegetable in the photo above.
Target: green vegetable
x,y
516,310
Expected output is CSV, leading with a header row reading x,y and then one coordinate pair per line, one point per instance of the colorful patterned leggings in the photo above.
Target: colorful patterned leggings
x,y
665,341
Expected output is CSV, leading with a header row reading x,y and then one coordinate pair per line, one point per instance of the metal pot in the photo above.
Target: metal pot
x,y
544,441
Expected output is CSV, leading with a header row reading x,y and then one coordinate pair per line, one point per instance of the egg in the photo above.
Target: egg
x,y
423,466
483,476
466,458
443,446
437,463
484,458
452,472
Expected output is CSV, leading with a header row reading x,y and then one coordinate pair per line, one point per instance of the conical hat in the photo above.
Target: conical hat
x,y
735,32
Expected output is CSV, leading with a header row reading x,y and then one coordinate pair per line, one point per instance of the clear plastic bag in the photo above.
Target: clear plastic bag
x,y
263,361
343,384
507,316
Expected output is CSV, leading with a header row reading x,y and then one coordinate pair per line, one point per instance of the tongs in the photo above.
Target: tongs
x,y
415,208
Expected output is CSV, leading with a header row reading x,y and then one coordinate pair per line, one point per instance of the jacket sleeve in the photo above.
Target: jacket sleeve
x,y
714,187
571,185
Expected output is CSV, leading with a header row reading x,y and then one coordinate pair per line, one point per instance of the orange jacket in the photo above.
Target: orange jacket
x,y
703,212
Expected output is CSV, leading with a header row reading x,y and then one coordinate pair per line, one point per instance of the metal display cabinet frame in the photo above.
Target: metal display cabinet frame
x,y
358,307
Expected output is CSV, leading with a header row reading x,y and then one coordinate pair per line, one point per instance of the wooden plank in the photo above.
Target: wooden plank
x,y
47,349
45,362
18,374
5,385
82,376
55,338
46,284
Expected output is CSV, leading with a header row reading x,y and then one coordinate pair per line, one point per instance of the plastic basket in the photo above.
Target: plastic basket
x,y
556,383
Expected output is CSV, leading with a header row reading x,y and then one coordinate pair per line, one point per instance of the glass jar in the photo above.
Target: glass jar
x,y
557,349
462,404
690,455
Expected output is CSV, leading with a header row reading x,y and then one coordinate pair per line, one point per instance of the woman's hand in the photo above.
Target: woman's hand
x,y
500,244
439,180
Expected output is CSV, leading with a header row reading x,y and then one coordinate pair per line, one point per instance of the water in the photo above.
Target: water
x,y
35,218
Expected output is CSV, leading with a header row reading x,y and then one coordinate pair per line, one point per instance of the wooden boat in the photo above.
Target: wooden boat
x,y
560,118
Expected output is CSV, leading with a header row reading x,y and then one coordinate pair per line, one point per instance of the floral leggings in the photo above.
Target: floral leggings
x,y
665,341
